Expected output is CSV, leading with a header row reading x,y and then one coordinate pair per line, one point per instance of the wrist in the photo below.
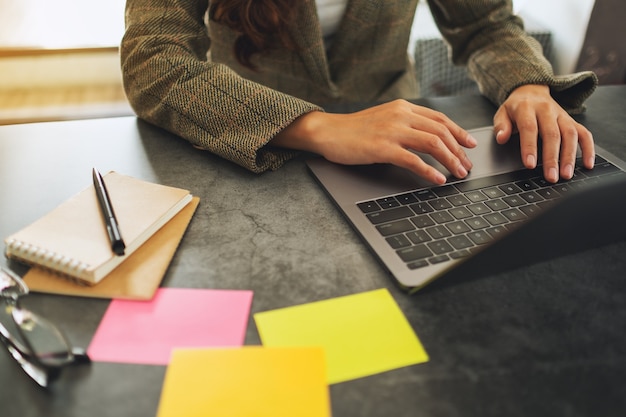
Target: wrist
x,y
531,89
304,133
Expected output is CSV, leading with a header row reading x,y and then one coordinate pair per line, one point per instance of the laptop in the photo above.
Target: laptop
x,y
500,217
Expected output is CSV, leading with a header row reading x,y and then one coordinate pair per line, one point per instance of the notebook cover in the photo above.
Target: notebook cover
x,y
137,278
72,238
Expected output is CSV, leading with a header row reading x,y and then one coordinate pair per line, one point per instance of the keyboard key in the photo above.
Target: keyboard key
x,y
563,188
495,218
530,210
497,231
458,227
494,192
439,246
418,236
440,204
479,208
496,205
460,213
458,200
547,193
476,196
545,204
414,253
602,168
510,189
398,241
541,182
423,221
526,185
441,217
514,214
368,206
388,202
477,223
425,195
421,208
417,264
578,175
460,242
459,254
390,215
438,232
439,259
407,198
393,228
480,237
514,200
531,197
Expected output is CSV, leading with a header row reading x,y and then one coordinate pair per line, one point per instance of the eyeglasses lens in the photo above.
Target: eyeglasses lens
x,y
46,341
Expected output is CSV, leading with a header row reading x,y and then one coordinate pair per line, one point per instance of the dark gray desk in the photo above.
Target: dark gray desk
x,y
545,340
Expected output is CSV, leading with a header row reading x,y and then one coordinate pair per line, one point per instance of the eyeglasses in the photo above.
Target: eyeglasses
x,y
41,349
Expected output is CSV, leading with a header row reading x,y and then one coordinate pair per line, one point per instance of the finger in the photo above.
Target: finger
x,y
527,125
502,125
408,160
550,144
587,147
436,147
569,145
437,120
432,134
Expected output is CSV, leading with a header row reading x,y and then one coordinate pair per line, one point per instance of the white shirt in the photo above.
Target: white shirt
x,y
330,13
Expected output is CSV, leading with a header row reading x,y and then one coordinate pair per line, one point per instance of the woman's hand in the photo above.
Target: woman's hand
x,y
534,113
383,134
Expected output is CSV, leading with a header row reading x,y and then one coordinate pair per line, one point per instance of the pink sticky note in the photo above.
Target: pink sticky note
x,y
145,332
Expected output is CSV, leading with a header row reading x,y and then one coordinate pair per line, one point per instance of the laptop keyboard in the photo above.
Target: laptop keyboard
x,y
439,224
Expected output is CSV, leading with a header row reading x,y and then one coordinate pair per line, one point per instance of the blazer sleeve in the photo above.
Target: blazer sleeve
x,y
170,82
500,56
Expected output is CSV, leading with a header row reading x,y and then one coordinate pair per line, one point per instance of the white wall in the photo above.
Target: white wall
x,y
566,19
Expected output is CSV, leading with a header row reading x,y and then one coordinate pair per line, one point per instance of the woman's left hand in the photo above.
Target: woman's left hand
x,y
531,110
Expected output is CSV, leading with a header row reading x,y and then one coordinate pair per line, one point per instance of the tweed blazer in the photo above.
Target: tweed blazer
x,y
180,73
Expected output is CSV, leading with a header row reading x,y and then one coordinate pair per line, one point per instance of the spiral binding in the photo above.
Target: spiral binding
x,y
47,259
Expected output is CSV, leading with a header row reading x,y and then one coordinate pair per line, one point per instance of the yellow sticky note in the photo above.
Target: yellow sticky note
x,y
362,334
246,381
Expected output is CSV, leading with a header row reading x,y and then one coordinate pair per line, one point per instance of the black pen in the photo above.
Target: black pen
x,y
113,229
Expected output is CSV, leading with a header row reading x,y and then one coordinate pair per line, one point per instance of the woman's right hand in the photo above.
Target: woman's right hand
x,y
383,134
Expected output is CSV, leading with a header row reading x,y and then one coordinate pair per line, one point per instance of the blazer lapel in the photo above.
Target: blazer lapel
x,y
354,42
373,32
307,34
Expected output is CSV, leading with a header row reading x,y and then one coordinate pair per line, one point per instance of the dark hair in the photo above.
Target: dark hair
x,y
261,24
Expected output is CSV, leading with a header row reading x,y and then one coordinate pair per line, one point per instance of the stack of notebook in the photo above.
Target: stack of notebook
x,y
71,241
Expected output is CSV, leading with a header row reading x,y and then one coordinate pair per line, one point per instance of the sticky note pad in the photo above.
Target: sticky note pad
x,y
246,381
146,332
362,334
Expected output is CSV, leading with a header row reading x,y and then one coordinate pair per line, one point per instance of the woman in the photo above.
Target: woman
x,y
248,80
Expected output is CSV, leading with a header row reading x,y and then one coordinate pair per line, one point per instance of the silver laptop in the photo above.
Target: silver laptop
x,y
501,216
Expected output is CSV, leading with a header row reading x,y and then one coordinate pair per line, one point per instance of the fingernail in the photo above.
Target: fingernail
x,y
553,175
462,172
472,140
569,171
440,178
530,161
499,135
467,163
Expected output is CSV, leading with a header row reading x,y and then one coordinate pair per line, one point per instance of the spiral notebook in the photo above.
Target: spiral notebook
x,y
71,240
